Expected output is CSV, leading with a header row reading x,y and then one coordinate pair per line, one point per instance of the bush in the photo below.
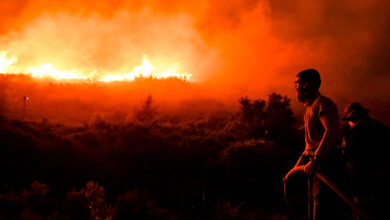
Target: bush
x,y
150,167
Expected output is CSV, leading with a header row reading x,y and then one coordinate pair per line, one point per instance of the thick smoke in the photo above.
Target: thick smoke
x,y
99,43
346,37
346,40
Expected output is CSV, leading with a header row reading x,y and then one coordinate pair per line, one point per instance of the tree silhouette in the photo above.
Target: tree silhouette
x,y
147,112
273,120
253,115
280,122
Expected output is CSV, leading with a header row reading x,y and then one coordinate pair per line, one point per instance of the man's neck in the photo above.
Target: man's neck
x,y
310,98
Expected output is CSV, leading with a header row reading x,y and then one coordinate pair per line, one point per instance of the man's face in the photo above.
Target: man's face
x,y
301,89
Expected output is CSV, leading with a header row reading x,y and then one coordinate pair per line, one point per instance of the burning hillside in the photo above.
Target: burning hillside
x,y
79,101
9,65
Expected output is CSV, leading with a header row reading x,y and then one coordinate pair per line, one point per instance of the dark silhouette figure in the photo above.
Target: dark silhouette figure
x,y
321,136
364,147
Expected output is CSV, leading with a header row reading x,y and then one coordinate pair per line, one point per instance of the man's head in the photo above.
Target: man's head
x,y
307,84
355,112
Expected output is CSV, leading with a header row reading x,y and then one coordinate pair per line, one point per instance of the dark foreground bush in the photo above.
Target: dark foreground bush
x,y
153,166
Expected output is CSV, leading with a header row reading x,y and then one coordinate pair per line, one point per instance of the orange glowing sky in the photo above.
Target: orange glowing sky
x,y
246,46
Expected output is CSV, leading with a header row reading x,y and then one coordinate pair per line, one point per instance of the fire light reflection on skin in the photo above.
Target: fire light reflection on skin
x,y
8,65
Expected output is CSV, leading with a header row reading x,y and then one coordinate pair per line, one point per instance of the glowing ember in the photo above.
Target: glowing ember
x,y
8,65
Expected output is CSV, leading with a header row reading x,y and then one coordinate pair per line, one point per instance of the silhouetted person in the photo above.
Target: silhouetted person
x,y
321,136
364,147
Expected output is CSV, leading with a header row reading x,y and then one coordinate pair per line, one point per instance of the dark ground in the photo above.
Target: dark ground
x,y
156,165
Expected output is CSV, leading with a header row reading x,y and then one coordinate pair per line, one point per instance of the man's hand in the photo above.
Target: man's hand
x,y
311,167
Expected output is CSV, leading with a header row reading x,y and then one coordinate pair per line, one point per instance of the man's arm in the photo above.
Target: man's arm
x,y
329,139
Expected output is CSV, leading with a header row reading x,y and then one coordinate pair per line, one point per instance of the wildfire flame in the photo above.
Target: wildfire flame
x,y
8,65
48,70
145,70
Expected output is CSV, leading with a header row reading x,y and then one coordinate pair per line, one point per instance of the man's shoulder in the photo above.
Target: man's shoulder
x,y
372,125
323,105
323,102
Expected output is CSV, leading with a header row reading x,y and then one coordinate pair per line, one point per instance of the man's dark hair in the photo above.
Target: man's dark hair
x,y
311,76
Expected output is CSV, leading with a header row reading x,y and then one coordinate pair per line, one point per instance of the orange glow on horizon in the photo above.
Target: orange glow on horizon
x,y
48,70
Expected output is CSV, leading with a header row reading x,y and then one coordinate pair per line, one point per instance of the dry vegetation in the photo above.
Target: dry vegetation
x,y
153,165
